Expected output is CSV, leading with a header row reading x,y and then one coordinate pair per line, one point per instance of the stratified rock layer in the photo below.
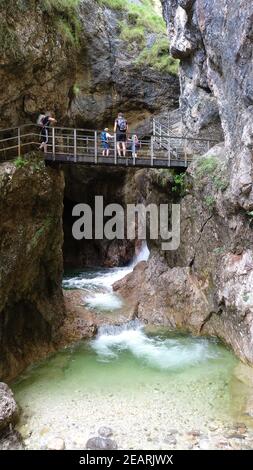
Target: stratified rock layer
x,y
31,301
84,79
206,285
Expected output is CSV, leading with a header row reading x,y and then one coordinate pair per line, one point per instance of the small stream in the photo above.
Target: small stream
x,y
154,389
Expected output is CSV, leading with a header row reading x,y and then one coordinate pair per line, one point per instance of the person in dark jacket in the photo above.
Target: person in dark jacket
x,y
44,121
121,130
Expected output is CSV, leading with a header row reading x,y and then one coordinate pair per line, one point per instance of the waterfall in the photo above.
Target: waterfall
x,y
142,256
100,282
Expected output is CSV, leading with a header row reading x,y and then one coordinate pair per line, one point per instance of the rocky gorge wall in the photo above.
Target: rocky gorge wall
x,y
31,300
84,60
206,285
79,60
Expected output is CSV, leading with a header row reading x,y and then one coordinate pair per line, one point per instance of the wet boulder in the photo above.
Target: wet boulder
x,y
100,443
8,407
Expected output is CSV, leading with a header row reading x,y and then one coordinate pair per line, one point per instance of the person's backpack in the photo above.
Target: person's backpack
x,y
103,136
41,120
122,125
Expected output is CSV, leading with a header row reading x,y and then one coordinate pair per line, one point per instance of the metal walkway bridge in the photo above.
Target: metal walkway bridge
x,y
162,149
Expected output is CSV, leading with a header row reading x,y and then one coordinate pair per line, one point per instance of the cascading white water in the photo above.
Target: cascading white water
x,y
100,283
142,256
160,352
128,379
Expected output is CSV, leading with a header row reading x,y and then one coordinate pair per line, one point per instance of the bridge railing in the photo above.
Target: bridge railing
x,y
85,145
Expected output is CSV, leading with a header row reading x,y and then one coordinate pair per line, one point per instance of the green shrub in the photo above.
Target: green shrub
x,y
114,4
20,162
76,90
212,169
220,183
9,42
42,231
179,184
133,34
157,56
141,19
64,14
219,251
207,165
209,201
145,15
32,160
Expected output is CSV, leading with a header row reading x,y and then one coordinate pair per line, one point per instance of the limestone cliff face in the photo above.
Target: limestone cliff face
x,y
31,302
213,39
208,286
78,61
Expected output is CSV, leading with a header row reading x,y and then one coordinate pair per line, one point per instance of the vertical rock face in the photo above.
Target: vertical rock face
x,y
214,42
74,60
213,39
31,303
206,285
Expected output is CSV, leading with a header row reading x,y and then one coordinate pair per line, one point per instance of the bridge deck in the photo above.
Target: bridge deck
x,y
122,162
84,146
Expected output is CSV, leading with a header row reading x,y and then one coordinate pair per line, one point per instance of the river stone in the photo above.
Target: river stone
x,y
171,440
194,433
204,444
235,436
172,431
99,443
10,440
105,432
240,428
25,431
56,444
8,407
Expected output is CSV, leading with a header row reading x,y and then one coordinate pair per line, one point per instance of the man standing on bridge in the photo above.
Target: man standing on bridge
x,y
121,129
44,121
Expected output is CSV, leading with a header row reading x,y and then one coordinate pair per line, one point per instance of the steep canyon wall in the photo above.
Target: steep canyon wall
x,y
206,285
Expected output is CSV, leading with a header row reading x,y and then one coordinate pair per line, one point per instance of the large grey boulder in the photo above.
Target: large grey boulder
x,y
8,407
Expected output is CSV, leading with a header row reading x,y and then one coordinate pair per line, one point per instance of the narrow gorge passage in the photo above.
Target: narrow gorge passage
x,y
126,231
132,377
